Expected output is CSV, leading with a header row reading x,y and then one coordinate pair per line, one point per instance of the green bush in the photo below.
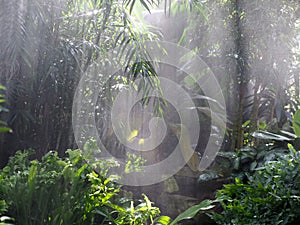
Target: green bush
x,y
57,191
270,196
53,191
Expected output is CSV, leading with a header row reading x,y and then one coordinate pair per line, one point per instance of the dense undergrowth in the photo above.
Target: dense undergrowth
x,y
45,48
66,191
271,195
70,191
265,188
77,190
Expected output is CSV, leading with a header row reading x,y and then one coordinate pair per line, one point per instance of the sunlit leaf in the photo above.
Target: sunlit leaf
x,y
163,220
270,136
192,211
5,129
141,141
288,133
132,135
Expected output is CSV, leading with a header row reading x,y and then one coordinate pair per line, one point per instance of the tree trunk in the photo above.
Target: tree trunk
x,y
240,79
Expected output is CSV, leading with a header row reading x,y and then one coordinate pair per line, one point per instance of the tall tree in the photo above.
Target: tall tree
x,y
45,47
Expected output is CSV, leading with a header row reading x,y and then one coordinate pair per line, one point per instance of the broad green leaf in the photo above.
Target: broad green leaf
x,y
5,129
296,123
192,211
288,134
269,136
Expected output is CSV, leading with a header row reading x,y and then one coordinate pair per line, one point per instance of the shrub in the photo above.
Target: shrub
x,y
67,191
53,191
270,196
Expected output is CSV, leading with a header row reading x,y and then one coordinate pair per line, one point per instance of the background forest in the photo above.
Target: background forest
x,y
251,47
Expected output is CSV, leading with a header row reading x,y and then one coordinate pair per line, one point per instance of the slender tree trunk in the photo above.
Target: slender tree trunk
x,y
240,79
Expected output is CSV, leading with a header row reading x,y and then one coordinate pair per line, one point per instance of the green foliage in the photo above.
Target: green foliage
x,y
134,163
66,191
3,127
53,191
283,136
296,123
143,213
248,159
270,196
241,162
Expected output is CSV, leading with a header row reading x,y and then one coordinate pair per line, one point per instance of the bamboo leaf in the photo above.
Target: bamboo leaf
x,y
145,5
